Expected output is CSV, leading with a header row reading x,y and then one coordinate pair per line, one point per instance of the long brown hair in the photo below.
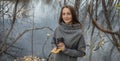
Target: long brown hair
x,y
74,15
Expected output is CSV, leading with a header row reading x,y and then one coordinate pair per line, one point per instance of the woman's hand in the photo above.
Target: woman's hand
x,y
61,46
55,50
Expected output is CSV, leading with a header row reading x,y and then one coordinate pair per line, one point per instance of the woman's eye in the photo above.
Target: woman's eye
x,y
63,14
68,13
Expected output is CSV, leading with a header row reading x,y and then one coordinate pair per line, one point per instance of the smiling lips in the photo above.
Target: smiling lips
x,y
67,19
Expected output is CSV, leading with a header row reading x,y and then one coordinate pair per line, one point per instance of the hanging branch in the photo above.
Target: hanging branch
x,y
20,35
90,11
109,30
77,5
106,14
10,54
10,30
102,29
114,41
65,3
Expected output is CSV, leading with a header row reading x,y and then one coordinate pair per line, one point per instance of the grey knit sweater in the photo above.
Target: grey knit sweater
x,y
74,42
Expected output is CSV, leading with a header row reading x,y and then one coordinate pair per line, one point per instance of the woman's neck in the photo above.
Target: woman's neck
x,y
69,23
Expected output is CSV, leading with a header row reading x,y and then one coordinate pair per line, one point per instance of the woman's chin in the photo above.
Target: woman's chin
x,y
67,21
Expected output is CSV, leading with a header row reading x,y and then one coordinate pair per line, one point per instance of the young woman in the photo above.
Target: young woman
x,y
68,37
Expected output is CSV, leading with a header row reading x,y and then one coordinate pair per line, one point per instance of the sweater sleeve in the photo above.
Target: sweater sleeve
x,y
53,43
79,52
53,39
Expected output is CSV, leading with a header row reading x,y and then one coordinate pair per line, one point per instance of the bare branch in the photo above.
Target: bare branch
x,y
106,14
10,54
14,19
101,28
5,49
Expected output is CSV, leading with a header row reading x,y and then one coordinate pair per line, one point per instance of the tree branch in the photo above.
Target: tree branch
x,y
102,29
106,14
6,36
5,49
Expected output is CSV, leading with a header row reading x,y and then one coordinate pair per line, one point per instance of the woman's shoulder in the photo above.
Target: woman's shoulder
x,y
80,32
57,28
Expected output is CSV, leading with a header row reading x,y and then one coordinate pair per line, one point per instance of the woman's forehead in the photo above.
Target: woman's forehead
x,y
66,10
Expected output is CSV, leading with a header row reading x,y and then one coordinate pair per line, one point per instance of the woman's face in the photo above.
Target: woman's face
x,y
67,16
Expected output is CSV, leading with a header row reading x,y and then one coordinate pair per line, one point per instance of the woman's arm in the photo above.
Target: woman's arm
x,y
79,52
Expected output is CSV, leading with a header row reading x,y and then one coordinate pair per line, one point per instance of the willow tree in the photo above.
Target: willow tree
x,y
108,21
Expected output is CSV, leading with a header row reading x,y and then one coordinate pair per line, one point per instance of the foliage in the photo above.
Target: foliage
x,y
118,8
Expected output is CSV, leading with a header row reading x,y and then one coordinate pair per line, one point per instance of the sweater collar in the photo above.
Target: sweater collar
x,y
69,26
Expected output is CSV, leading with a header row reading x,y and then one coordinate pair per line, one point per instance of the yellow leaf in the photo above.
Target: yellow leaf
x,y
117,5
